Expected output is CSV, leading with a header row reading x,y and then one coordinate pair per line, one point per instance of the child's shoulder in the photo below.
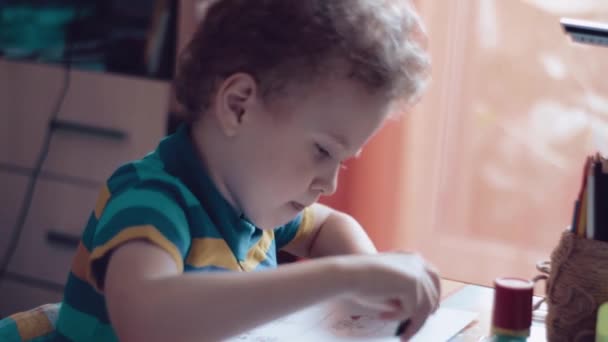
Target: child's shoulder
x,y
148,173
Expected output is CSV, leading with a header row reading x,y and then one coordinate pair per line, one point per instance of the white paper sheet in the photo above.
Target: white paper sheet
x,y
336,322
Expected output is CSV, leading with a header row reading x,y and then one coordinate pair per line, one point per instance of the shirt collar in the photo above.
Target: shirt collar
x,y
182,160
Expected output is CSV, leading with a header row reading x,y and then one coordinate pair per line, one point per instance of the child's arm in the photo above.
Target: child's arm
x,y
149,300
333,233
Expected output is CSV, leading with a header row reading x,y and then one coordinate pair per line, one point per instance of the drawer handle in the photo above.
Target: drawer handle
x,y
69,126
61,239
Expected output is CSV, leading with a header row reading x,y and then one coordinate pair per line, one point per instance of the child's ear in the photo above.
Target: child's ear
x,y
235,100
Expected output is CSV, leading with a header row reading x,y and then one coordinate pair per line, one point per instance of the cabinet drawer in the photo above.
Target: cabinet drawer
x,y
17,297
11,197
27,96
106,107
115,102
95,158
58,214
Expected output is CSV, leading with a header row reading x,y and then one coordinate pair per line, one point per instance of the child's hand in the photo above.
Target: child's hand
x,y
404,285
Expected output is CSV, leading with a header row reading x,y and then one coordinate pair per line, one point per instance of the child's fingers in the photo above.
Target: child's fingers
x,y
418,319
395,304
434,275
414,326
397,312
391,315
380,305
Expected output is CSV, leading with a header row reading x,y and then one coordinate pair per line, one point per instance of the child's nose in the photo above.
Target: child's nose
x,y
326,184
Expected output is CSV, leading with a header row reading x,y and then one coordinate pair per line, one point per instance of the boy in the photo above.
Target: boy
x,y
279,93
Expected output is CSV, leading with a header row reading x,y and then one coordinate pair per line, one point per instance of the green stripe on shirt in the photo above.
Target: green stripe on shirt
x,y
79,326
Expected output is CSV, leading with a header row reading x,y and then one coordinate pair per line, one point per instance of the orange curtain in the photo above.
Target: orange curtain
x,y
372,187
369,188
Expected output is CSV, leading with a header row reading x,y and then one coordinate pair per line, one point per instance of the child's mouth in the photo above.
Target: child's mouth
x,y
297,206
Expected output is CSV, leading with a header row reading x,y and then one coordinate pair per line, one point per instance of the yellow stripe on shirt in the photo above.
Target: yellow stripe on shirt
x,y
211,252
102,201
259,251
32,324
147,232
306,227
81,263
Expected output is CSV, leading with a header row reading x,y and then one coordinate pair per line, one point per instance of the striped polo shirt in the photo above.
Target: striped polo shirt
x,y
169,200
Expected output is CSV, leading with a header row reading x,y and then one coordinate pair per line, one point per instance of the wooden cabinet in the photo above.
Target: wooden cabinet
x,y
104,121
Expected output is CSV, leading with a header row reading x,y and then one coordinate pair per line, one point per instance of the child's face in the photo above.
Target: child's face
x,y
288,151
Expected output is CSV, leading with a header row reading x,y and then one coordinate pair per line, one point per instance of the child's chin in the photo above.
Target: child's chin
x,y
277,221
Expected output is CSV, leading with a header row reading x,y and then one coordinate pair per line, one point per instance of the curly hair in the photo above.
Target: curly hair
x,y
381,42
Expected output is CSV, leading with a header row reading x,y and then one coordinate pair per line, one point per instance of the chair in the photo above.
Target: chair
x,y
36,325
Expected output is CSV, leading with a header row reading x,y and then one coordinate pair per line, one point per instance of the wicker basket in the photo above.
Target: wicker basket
x,y
577,286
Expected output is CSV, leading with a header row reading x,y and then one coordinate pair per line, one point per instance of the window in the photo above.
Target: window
x,y
494,153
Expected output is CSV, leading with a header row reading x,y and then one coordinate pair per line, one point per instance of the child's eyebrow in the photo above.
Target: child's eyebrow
x,y
339,140
343,144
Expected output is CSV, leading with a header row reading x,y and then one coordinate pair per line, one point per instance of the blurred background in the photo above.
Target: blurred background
x,y
480,177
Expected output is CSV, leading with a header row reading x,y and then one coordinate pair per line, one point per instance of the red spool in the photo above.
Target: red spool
x,y
512,312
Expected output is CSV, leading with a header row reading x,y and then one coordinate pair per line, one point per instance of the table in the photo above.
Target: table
x,y
470,297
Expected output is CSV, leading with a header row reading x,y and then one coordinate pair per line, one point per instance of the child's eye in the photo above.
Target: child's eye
x,y
323,153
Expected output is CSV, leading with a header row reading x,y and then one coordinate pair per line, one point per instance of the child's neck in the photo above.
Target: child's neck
x,y
202,139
